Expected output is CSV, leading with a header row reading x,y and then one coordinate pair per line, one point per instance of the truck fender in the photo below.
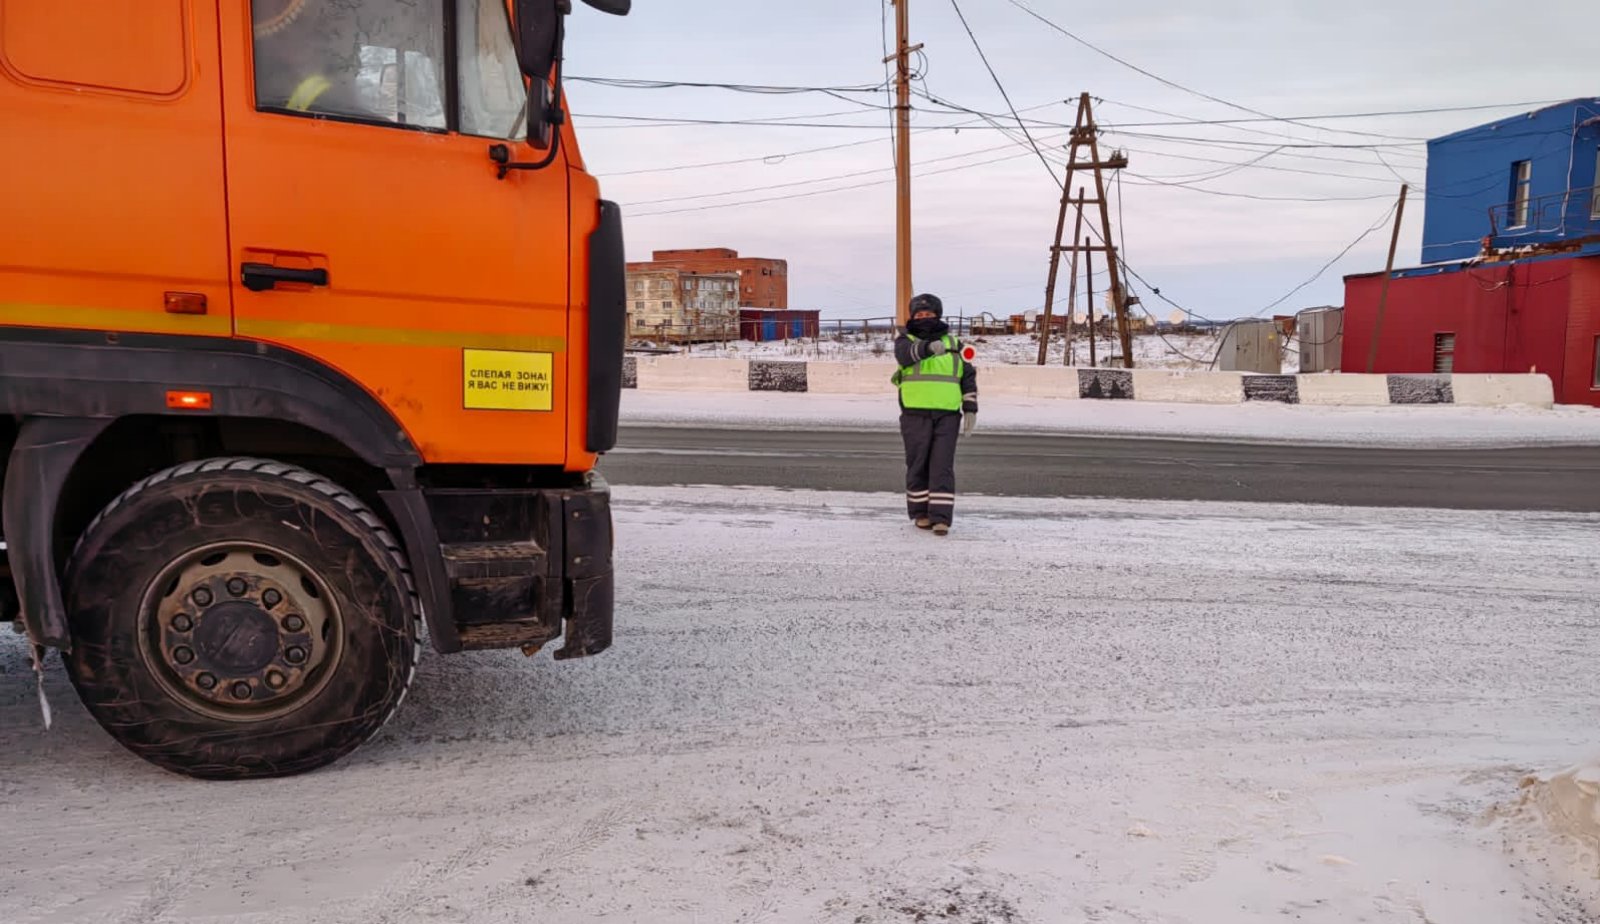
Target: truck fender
x,y
46,450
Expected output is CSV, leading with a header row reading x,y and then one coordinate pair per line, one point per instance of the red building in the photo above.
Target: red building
x,y
763,283
1535,315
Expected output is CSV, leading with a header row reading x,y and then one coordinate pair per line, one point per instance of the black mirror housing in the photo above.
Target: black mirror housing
x,y
614,7
538,36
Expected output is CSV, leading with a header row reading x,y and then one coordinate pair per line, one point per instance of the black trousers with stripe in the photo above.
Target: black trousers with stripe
x,y
930,438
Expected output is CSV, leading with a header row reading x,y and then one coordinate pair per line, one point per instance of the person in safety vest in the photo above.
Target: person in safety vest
x,y
938,404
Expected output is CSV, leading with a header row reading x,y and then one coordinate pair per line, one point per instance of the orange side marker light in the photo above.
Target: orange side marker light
x,y
189,400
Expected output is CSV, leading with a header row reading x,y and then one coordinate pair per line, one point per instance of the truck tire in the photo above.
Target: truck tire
x,y
240,618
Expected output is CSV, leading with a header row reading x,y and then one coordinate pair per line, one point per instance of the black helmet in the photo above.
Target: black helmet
x,y
926,302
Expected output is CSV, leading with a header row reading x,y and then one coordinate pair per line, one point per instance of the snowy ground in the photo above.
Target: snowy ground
x,y
1197,714
1436,426
1150,351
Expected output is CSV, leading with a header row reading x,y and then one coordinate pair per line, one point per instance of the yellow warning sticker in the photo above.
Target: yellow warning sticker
x,y
501,380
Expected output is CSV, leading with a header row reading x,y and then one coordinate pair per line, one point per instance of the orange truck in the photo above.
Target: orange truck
x,y
311,336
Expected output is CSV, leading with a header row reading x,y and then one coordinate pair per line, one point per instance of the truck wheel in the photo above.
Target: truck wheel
x,y
240,618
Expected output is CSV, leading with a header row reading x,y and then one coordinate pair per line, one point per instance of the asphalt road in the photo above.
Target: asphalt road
x,y
1562,478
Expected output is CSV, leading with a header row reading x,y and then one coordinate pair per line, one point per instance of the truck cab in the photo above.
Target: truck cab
x,y
310,339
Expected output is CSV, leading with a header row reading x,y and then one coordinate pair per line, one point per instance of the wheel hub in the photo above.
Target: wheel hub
x,y
241,632
236,638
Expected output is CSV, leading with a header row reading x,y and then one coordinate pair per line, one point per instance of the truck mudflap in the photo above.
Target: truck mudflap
x,y
591,580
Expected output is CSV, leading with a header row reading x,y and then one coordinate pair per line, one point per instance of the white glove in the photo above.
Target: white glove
x,y
937,348
969,423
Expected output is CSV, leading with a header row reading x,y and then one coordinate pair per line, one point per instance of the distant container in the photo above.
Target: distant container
x,y
1252,346
761,325
1321,335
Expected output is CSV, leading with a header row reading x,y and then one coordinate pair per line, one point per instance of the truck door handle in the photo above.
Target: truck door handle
x,y
259,277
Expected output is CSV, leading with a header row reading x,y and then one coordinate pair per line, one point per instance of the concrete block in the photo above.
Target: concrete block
x,y
1188,387
862,378
684,373
1420,389
1477,390
1115,384
1346,389
1282,389
1028,381
630,372
770,375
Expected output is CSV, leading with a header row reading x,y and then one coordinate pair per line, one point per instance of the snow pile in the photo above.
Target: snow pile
x,y
1553,829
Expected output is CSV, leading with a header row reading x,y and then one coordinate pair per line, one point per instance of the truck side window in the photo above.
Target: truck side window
x,y
366,60
494,99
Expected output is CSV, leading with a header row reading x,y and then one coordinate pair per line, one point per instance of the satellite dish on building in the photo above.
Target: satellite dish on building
x,y
1175,318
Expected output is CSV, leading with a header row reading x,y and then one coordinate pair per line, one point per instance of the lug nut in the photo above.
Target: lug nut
x,y
271,598
182,623
182,655
237,586
241,690
276,680
206,681
293,623
295,655
202,596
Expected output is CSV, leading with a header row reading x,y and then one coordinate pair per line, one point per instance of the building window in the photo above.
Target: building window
x,y
1594,201
1444,353
1521,185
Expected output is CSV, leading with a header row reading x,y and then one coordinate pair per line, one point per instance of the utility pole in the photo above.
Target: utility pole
x,y
1088,281
902,160
1072,286
1388,274
1050,284
1086,135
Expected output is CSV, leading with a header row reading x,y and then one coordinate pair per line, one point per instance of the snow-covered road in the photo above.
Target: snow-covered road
x,y
1068,711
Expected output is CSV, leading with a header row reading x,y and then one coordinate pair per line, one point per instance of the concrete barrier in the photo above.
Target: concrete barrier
x,y
1188,387
1336,388
1480,390
686,373
1028,381
871,377
863,378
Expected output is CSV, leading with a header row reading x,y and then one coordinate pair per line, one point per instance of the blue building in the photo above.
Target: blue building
x,y
1527,180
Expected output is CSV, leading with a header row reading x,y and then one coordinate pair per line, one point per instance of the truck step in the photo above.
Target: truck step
x,y
501,594
478,561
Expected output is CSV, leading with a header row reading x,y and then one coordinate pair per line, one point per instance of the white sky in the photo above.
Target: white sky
x,y
981,233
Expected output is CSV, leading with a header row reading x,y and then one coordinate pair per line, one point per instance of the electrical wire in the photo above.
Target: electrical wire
x,y
1004,95
823,179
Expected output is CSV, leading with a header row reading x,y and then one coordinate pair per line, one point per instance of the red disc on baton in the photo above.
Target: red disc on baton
x,y
968,353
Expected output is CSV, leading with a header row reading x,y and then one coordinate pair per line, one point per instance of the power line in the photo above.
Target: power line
x,y
625,83
1340,256
1157,77
783,156
823,192
1002,88
823,179
1326,117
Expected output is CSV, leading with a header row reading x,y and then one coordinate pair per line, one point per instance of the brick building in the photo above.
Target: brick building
x,y
673,304
762,283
